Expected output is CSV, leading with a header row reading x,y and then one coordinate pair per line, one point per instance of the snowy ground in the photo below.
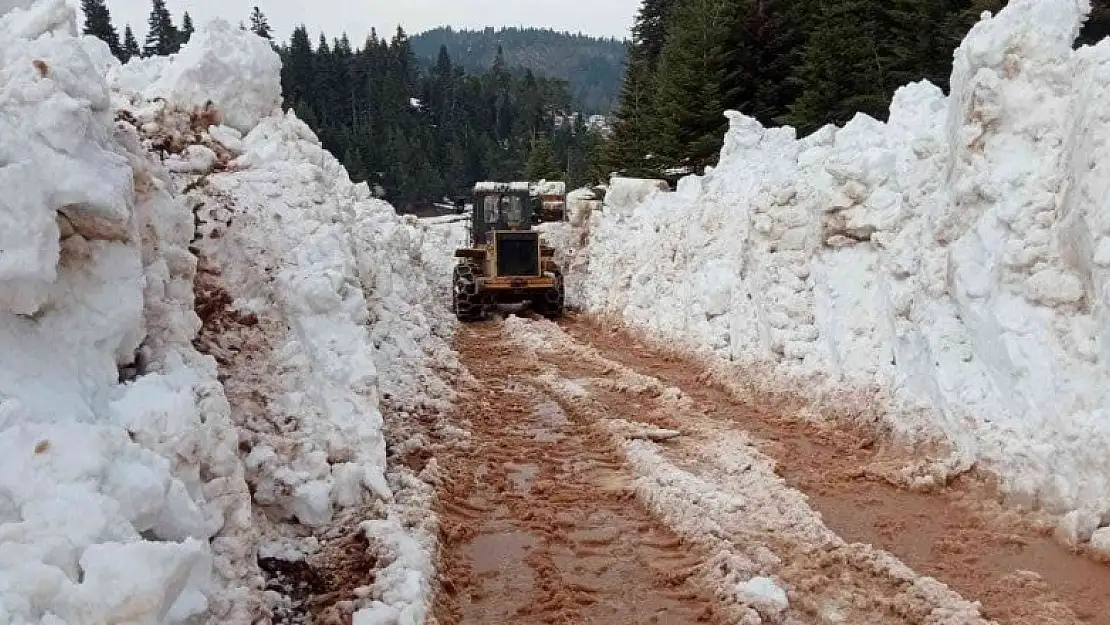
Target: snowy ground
x,y
942,276
135,431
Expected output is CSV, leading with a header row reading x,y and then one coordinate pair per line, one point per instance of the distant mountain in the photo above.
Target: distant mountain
x,y
593,67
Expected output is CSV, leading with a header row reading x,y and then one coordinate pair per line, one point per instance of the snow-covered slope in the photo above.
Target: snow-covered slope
x,y
945,273
126,454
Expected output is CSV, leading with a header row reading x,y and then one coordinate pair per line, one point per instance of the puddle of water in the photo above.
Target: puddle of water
x,y
502,552
502,584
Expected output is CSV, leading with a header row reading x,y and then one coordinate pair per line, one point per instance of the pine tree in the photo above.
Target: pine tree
x,y
593,159
259,25
407,64
501,79
344,64
130,45
297,70
765,49
325,85
687,109
98,23
541,163
627,148
162,37
186,28
650,29
853,61
1097,27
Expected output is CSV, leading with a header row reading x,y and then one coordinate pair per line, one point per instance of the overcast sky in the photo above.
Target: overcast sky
x,y
594,17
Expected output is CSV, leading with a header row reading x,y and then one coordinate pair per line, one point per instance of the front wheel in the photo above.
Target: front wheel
x,y
464,294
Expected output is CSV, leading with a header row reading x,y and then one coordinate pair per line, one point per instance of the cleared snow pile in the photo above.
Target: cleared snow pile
x,y
238,76
627,193
569,239
581,203
321,308
944,273
441,237
121,496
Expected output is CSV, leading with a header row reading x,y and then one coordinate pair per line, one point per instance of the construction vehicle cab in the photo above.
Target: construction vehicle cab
x,y
505,262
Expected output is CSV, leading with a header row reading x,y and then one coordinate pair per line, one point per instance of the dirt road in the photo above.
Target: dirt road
x,y
605,482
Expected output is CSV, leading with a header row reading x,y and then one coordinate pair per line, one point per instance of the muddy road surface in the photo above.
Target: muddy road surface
x,y
603,481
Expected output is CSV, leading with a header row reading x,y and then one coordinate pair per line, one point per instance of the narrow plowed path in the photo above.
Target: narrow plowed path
x,y
539,521
604,481
957,535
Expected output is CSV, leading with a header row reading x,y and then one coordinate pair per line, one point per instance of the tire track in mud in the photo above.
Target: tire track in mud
x,y
718,492
957,535
539,521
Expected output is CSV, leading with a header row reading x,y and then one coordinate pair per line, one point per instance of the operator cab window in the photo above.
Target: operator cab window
x,y
512,209
489,206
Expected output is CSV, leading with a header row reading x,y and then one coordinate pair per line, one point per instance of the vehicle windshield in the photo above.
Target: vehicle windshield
x,y
503,209
489,209
512,209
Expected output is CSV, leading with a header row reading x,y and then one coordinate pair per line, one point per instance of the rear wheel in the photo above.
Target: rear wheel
x,y
550,303
464,293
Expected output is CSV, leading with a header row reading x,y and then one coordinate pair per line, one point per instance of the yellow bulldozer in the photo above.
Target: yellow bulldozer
x,y
505,262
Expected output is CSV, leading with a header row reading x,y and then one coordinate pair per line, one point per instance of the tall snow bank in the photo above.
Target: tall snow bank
x,y
121,497
235,71
441,237
322,309
350,318
949,265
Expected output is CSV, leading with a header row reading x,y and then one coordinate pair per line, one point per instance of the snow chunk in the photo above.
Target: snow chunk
x,y
763,594
197,159
628,192
632,430
170,578
1100,543
1077,527
236,70
226,136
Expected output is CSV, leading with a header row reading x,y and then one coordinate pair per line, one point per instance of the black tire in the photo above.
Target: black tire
x,y
464,294
551,303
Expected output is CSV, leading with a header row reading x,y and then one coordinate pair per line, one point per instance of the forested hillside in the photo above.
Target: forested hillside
x,y
420,134
593,67
806,63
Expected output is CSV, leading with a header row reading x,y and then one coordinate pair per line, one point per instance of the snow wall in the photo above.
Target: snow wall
x,y
124,459
946,274
119,495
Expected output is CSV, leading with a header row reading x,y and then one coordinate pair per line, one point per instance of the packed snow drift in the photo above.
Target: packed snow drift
x,y
121,493
947,272
133,430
